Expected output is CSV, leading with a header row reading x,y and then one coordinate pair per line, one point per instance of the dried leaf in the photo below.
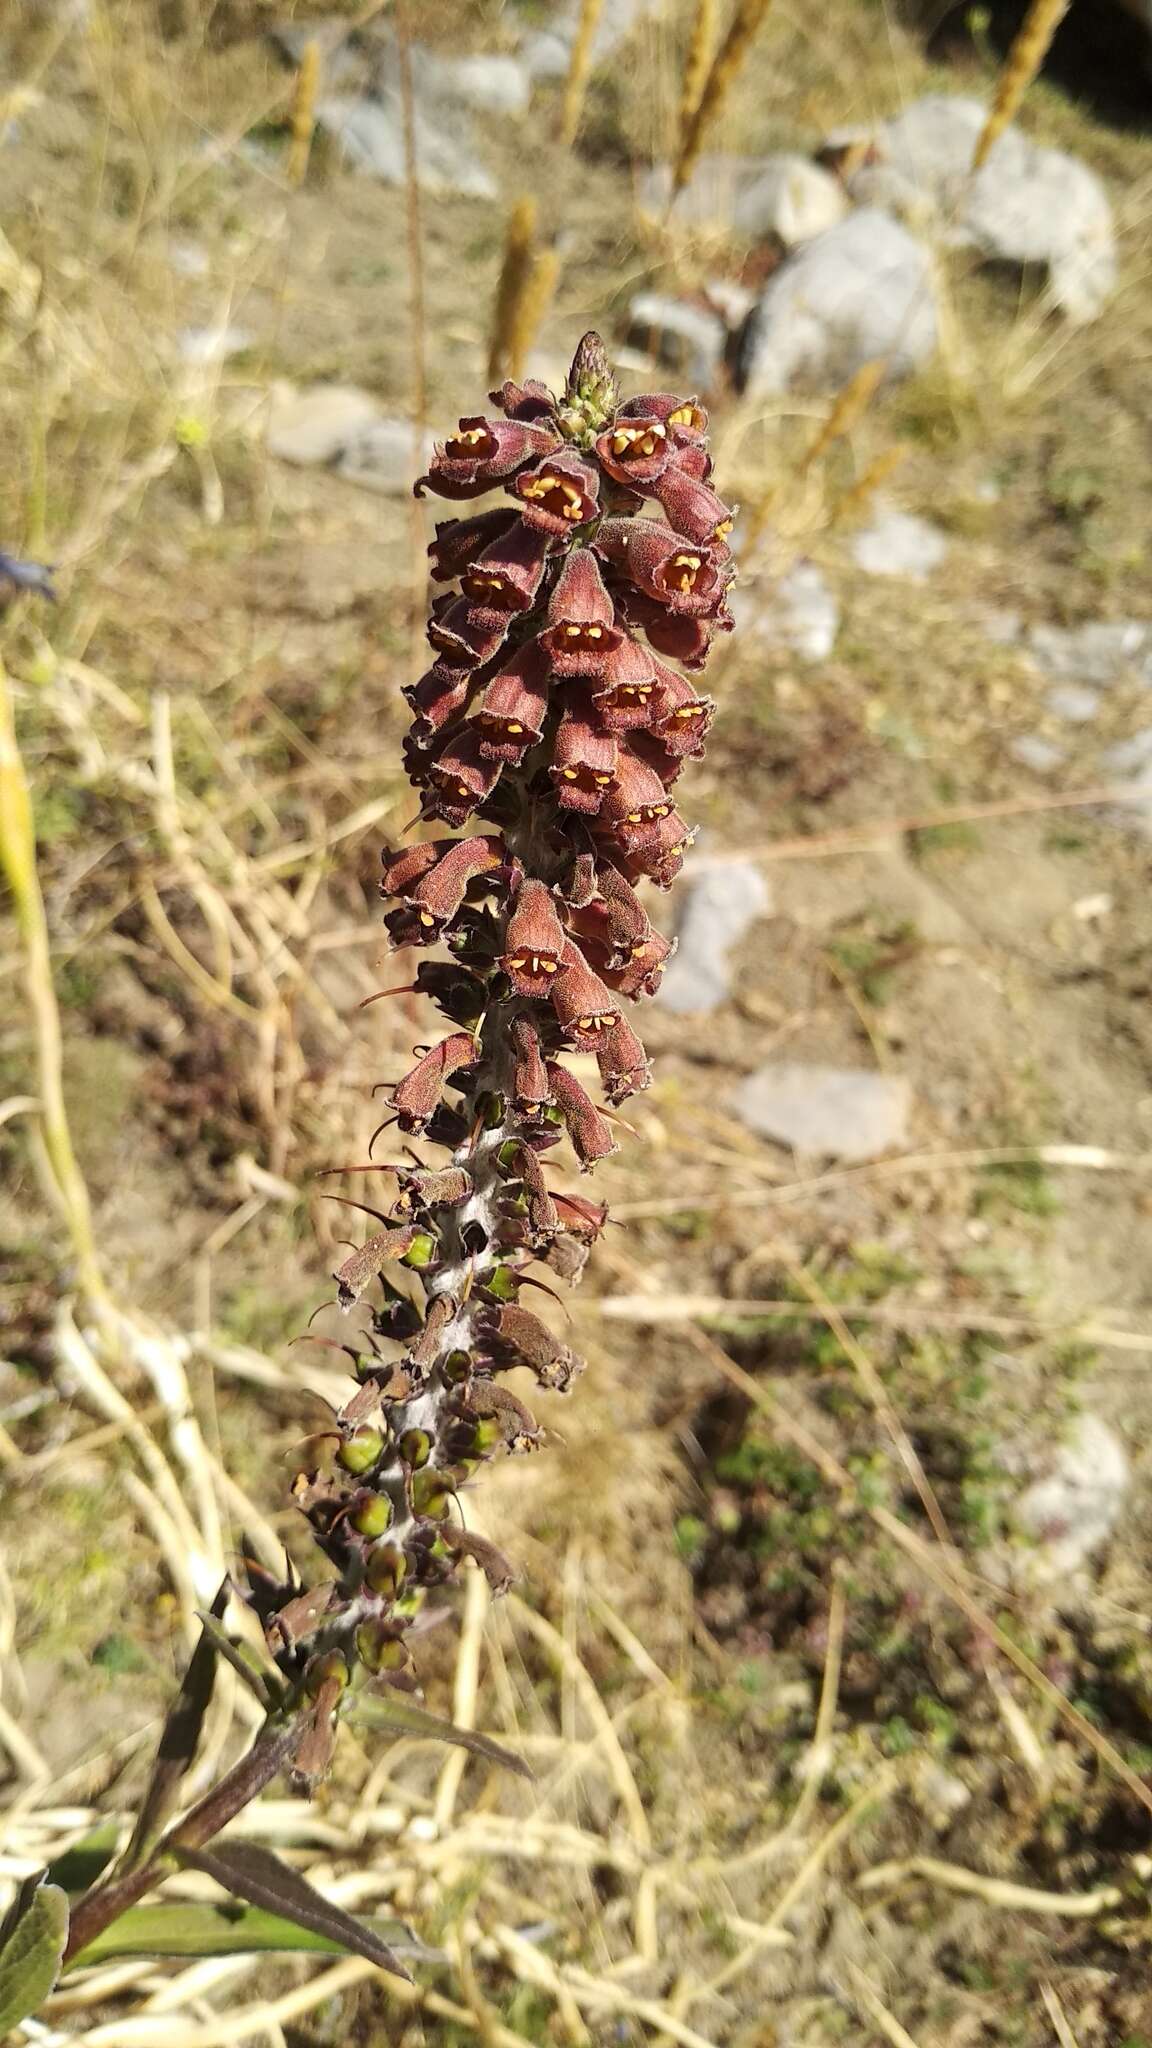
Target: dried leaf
x,y
252,1873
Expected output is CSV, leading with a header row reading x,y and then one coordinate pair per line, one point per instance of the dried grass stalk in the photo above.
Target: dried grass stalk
x,y
724,70
1029,49
531,306
701,44
579,66
304,112
515,272
852,401
877,472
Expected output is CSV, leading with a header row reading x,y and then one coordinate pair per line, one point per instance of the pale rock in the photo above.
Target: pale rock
x,y
1033,751
722,900
315,426
547,52
798,614
371,134
491,84
1072,1505
1096,653
785,195
897,543
385,456
1026,204
859,292
187,258
1073,702
683,337
826,1112
203,346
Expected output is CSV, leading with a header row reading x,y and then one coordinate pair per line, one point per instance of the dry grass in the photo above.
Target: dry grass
x,y
209,729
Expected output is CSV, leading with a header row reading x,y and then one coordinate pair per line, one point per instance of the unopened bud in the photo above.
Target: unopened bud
x,y
362,1449
421,1251
386,1571
380,1648
371,1514
330,1669
415,1447
431,1493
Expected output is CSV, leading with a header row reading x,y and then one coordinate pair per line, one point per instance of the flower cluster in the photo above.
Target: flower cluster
x,y
550,730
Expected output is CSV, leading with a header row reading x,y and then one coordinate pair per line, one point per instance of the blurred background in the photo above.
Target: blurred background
x,y
831,1649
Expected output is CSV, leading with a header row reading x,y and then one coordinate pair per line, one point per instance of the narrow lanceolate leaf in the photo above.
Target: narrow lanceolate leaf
x,y
179,1742
197,1928
395,1716
254,1874
30,1957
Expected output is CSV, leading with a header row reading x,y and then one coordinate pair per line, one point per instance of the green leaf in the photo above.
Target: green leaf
x,y
187,1928
30,1957
77,1869
397,1716
252,1873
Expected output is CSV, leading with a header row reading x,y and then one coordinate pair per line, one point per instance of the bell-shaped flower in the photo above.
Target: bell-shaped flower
x,y
583,763
583,1007
506,575
483,452
581,633
511,715
534,943
558,493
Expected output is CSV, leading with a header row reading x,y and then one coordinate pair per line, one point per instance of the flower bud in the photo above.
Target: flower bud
x,y
362,1449
370,1514
386,1570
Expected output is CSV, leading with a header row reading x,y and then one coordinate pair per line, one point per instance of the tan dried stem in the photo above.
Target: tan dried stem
x,y
515,271
697,59
579,67
1029,48
304,112
725,69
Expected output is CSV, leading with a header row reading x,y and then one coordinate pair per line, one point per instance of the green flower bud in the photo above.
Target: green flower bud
x,y
456,1367
500,1283
386,1571
380,1648
362,1449
371,1514
431,1493
323,1670
492,1107
422,1251
415,1447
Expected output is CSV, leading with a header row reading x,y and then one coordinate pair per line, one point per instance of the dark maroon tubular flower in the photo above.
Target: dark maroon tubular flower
x,y
583,763
417,1095
584,1008
636,448
534,942
457,780
678,573
531,1091
459,541
558,494
637,805
693,508
434,899
627,694
530,401
591,1133
483,452
660,857
623,1062
441,692
511,716
506,575
547,715
684,718
686,422
582,632
464,636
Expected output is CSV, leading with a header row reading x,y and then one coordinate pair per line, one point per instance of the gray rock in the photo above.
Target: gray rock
x,y
799,613
1073,701
722,900
899,544
547,51
1026,205
1073,1504
1132,756
683,337
783,195
861,291
315,426
491,84
1033,751
384,457
832,1112
371,134
1001,626
1096,653
206,345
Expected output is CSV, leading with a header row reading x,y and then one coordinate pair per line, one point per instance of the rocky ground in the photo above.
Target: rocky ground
x,y
877,1324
